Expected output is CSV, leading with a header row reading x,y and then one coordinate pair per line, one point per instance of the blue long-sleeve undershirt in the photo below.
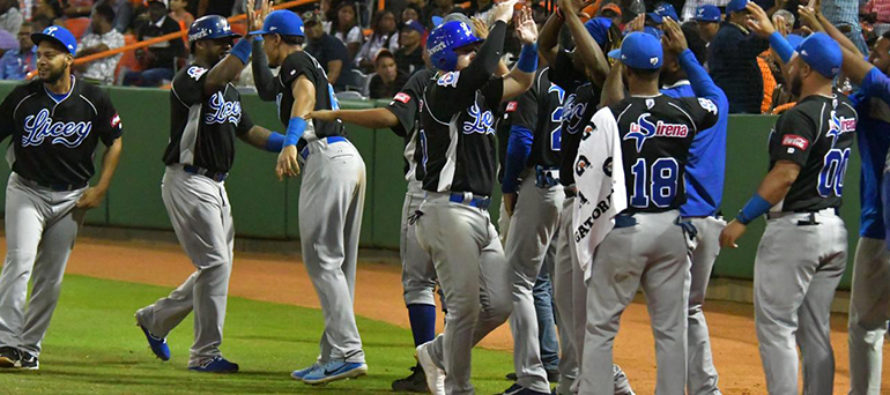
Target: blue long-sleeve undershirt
x,y
876,84
701,82
519,147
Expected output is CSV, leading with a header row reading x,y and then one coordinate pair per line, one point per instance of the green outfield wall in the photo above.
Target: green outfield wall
x,y
263,207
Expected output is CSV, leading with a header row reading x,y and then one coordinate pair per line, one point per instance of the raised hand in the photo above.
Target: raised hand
x,y
637,24
503,11
780,24
758,21
480,28
526,29
673,38
809,19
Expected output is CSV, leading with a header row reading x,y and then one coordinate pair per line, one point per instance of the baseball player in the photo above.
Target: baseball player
x,y
55,123
870,298
458,155
648,246
704,191
332,191
206,116
531,171
803,251
418,273
569,71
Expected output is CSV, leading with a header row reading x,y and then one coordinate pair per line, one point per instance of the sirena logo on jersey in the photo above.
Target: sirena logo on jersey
x,y
482,121
222,111
643,129
840,125
39,127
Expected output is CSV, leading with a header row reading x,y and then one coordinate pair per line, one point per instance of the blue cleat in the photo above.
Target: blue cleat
x,y
299,374
216,364
158,344
335,370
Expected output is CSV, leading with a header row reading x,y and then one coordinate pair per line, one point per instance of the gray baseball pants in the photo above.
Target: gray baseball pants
x,y
474,277
332,197
201,215
418,271
796,271
41,226
534,223
702,377
653,253
869,312
570,298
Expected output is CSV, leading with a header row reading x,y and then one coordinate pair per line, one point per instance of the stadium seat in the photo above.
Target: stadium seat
x,y
77,26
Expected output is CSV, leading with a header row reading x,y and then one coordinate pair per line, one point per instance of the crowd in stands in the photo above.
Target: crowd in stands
x,y
373,52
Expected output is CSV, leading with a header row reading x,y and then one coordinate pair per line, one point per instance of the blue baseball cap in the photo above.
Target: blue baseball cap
x,y
57,34
736,6
282,22
794,40
655,18
666,9
413,25
653,31
599,29
640,51
822,53
707,13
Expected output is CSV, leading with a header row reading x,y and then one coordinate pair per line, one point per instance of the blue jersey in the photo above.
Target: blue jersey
x,y
705,171
874,141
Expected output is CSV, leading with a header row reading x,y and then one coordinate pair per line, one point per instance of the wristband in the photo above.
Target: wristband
x,y
528,58
241,50
781,46
755,207
295,129
275,142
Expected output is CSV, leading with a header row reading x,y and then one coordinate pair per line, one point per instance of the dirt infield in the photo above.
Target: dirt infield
x,y
277,278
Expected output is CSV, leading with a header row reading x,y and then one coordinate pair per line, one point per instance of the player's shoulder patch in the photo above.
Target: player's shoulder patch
x,y
195,72
512,105
708,105
449,79
402,97
796,141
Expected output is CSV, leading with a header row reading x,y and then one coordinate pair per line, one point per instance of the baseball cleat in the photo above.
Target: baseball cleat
x,y
299,374
216,364
435,376
335,370
158,345
28,361
416,382
9,357
517,389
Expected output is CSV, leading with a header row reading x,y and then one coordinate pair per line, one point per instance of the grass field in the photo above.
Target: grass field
x,y
93,346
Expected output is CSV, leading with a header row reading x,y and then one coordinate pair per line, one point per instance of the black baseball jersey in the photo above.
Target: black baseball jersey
x,y
457,134
297,64
53,140
656,133
406,105
202,127
578,109
817,134
539,110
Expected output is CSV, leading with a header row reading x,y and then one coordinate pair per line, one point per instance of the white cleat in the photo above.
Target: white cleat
x,y
435,377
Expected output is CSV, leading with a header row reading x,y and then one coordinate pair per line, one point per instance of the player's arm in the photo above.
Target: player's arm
x,y
613,88
334,69
549,37
595,63
373,118
262,75
229,68
701,83
263,138
93,196
523,74
304,101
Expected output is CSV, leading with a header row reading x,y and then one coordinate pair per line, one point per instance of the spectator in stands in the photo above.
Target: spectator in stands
x,y
123,12
180,14
480,9
159,61
441,8
77,8
101,38
690,7
215,7
51,9
787,18
409,56
17,63
732,61
880,11
329,51
10,16
345,28
411,13
611,11
708,19
844,14
385,36
388,79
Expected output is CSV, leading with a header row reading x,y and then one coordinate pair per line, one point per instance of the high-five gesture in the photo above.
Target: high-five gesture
x,y
503,11
526,29
759,21
255,18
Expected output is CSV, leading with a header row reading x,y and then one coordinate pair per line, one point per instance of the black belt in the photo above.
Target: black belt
x,y
213,175
53,186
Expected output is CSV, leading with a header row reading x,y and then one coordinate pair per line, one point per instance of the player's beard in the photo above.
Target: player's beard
x,y
796,85
55,75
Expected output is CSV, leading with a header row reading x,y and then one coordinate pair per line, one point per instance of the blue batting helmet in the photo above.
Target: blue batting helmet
x,y
446,38
210,27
